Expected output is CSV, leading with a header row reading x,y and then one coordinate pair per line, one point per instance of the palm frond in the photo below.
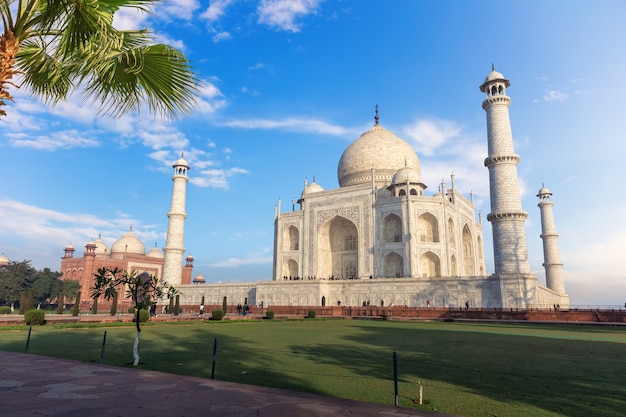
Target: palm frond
x,y
158,74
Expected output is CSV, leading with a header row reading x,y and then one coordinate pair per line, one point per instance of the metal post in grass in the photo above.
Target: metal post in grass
x,y
395,377
104,340
213,361
28,339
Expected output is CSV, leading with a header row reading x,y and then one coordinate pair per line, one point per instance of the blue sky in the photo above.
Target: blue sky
x,y
289,84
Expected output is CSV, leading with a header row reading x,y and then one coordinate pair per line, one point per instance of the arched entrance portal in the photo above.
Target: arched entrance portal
x,y
337,254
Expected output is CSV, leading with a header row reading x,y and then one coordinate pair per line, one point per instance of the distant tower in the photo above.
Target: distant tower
x,y
174,242
507,216
551,258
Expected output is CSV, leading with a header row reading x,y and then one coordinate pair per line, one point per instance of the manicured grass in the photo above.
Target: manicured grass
x,y
465,369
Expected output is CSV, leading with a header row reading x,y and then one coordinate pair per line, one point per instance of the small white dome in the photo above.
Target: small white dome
x,y
4,261
406,175
155,253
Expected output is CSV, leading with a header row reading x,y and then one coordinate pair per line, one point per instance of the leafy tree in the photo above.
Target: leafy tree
x,y
144,290
70,289
15,278
60,46
47,285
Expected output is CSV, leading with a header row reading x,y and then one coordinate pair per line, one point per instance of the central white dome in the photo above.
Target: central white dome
x,y
129,243
378,149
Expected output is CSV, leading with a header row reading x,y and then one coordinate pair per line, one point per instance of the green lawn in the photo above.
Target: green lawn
x,y
465,369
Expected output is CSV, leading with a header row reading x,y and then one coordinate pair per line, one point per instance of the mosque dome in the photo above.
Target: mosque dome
x,y
199,279
494,75
4,261
181,161
406,175
155,253
544,192
101,247
69,247
313,188
378,149
129,243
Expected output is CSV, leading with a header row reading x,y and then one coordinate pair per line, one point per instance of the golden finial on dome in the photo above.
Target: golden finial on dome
x,y
376,117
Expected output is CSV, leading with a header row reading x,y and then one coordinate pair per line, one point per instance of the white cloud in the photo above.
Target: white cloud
x,y
57,140
263,258
216,178
427,136
216,9
281,14
180,9
129,18
221,36
293,124
257,66
555,95
34,230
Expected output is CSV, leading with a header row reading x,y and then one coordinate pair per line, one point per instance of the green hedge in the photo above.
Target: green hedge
x,y
34,317
5,310
270,314
144,315
217,314
311,314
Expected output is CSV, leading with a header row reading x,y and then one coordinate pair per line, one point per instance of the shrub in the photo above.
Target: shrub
x,y
61,303
311,314
131,310
76,308
217,314
5,310
144,315
270,314
34,317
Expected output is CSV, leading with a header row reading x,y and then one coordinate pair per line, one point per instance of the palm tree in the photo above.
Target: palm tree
x,y
60,46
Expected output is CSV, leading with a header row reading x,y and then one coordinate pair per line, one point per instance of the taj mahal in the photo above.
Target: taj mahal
x,y
381,237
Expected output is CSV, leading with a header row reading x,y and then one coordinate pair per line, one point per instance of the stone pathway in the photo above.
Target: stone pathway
x,y
33,385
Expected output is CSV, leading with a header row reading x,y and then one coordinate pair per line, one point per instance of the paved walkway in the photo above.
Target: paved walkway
x,y
33,385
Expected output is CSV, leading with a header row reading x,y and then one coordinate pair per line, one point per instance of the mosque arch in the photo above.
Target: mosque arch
x,y
469,266
337,249
290,268
392,229
402,192
479,247
451,234
430,265
453,267
291,238
428,228
393,266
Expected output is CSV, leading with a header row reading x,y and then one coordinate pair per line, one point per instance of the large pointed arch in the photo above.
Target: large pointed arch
x,y
393,266
392,229
428,228
290,268
430,265
337,249
291,238
469,264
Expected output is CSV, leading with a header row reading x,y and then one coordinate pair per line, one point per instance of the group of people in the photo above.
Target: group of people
x,y
244,309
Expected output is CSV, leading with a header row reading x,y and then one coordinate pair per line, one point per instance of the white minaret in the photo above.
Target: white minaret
x,y
551,258
507,217
174,243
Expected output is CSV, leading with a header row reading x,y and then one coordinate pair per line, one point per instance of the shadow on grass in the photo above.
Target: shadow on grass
x,y
514,369
580,378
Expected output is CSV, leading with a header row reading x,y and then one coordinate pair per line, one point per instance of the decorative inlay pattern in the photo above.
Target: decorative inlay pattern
x,y
351,213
